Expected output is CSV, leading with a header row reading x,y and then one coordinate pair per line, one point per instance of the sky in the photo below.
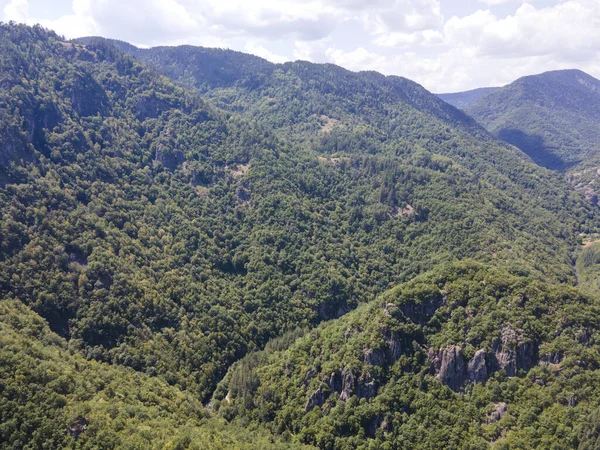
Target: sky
x,y
445,45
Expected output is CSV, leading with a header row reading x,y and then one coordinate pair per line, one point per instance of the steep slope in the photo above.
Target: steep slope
x,y
463,100
335,112
332,110
50,398
553,117
462,357
154,231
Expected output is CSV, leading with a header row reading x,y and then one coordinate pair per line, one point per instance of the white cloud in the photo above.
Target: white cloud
x,y
259,49
568,29
501,2
404,37
359,59
16,10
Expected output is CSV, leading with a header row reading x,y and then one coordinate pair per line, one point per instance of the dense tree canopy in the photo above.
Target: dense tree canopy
x,y
163,229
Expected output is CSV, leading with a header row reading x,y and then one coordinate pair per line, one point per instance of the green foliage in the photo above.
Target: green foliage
x,y
553,117
155,232
392,344
51,398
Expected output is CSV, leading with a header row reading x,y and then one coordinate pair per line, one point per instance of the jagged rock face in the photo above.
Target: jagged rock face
x,y
452,367
344,383
498,413
309,375
512,354
420,313
317,398
87,96
552,358
477,368
347,384
366,388
374,357
509,353
393,340
150,107
335,382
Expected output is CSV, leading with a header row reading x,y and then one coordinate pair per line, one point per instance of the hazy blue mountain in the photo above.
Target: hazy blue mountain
x,y
465,99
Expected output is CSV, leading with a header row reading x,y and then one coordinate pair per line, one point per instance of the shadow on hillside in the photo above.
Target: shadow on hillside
x,y
533,145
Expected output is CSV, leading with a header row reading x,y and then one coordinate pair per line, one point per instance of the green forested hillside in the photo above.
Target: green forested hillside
x,y
51,398
553,117
466,356
173,230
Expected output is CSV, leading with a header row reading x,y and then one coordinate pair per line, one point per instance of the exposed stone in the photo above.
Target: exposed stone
x,y
393,341
498,413
374,357
317,398
349,332
151,106
309,375
477,369
347,384
366,388
452,372
421,312
512,354
527,355
433,356
386,425
78,427
335,382
390,309
552,358
583,335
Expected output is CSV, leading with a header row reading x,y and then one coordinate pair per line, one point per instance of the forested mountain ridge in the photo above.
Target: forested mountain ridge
x,y
466,356
336,112
292,97
153,230
328,108
553,117
463,100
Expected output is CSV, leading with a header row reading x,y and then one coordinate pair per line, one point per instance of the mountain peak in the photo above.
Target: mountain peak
x,y
552,116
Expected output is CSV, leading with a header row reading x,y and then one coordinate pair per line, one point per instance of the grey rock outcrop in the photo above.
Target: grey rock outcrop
x,y
347,384
366,388
394,342
498,413
477,368
375,357
421,312
317,398
335,382
512,353
452,367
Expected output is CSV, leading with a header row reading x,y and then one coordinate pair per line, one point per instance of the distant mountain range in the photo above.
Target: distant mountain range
x,y
465,99
553,117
